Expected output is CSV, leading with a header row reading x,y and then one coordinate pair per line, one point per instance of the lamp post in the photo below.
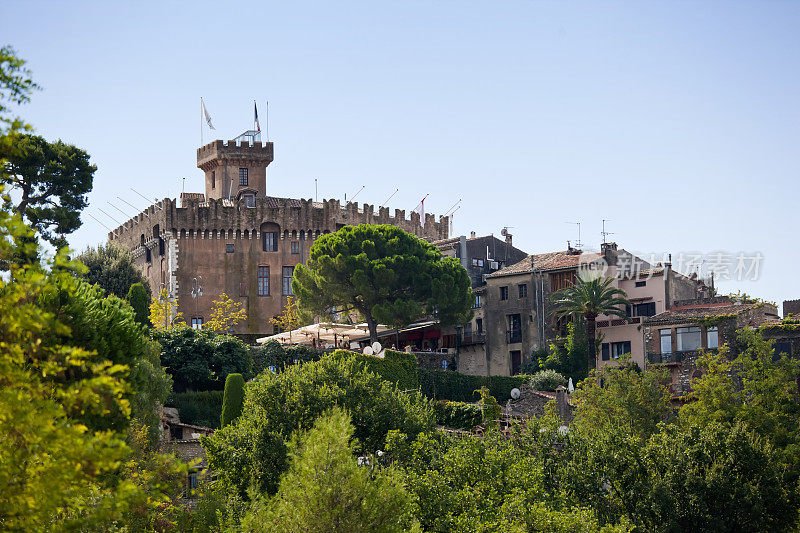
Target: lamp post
x,y
197,291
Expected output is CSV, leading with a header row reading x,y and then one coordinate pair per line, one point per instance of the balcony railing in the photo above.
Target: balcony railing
x,y
674,357
472,338
513,335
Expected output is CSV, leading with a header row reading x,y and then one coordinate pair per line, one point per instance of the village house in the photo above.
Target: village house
x,y
674,337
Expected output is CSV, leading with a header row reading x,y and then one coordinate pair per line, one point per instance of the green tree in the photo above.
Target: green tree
x,y
51,180
16,86
232,399
325,489
111,268
385,274
139,300
252,451
200,359
590,297
59,466
751,388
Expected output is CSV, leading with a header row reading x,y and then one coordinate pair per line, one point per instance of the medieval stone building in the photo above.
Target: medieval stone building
x,y
238,240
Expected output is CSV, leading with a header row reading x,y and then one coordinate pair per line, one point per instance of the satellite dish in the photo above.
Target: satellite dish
x,y
367,350
570,386
515,393
376,347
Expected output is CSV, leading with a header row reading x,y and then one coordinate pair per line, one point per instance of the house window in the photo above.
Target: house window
x,y
213,179
644,309
270,241
295,247
689,338
197,322
604,350
561,280
263,281
288,272
477,262
514,332
712,337
479,325
516,362
619,348
523,290
641,283
249,200
781,348
243,177
504,293
478,302
666,340
229,248
192,480
468,332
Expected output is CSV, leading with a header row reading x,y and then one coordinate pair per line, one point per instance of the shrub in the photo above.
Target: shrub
x,y
457,415
232,399
399,368
139,299
253,450
198,408
547,380
279,356
448,385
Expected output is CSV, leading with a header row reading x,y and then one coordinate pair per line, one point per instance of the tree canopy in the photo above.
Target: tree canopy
x,y
111,268
386,275
50,183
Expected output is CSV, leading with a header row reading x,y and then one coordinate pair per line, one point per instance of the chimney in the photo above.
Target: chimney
x,y
561,404
471,234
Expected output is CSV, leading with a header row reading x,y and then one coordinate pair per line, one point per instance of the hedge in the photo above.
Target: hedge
x,y
401,368
457,415
199,408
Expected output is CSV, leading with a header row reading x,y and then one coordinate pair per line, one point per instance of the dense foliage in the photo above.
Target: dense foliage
x,y
199,408
201,360
547,380
232,399
52,182
458,415
112,269
386,275
447,385
364,499
139,300
276,355
252,451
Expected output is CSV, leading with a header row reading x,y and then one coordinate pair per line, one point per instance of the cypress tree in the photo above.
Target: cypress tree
x,y
232,399
140,301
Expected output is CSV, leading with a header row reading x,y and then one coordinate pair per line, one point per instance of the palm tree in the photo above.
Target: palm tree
x,y
590,298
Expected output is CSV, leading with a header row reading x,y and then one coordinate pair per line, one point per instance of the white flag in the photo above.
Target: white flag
x,y
205,114
422,212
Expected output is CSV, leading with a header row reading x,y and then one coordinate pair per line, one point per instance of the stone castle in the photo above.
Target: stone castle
x,y
238,240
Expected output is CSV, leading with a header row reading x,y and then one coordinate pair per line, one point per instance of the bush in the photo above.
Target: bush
x,y
448,385
547,380
198,408
253,450
139,299
232,399
399,368
201,360
457,415
279,356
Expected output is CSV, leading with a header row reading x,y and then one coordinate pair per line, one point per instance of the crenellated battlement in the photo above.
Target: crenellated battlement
x,y
289,216
218,150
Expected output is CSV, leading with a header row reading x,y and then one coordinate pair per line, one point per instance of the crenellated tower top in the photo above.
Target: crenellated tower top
x,y
236,168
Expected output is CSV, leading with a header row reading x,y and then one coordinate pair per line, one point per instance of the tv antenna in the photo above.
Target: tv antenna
x,y
578,243
605,233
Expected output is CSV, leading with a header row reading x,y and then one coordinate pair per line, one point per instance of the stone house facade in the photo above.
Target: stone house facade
x,y
520,316
480,257
238,240
675,337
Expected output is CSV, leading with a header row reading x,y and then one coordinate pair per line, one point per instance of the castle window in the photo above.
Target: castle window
x,y
263,281
270,241
249,200
295,247
213,179
197,322
288,272
242,177
229,248
148,255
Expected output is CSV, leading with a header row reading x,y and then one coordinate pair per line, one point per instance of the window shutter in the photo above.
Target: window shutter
x,y
605,350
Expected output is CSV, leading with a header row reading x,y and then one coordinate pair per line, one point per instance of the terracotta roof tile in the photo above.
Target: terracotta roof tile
x,y
547,261
692,312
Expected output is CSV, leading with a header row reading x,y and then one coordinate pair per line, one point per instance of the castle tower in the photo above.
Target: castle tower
x,y
236,168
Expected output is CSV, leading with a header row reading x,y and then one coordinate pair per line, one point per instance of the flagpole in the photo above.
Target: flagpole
x,y
267,123
201,121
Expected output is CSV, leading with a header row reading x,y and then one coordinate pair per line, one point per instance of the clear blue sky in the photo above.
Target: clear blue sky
x,y
679,121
